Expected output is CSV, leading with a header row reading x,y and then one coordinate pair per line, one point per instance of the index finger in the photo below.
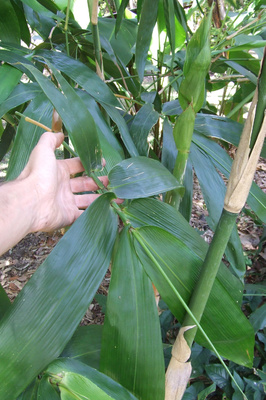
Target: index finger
x,y
74,165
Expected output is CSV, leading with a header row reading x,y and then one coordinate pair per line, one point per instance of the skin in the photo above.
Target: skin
x,y
43,197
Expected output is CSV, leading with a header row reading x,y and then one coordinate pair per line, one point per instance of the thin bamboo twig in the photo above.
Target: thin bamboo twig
x,y
47,129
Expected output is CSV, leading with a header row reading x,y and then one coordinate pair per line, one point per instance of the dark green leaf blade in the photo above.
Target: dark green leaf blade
x,y
85,345
147,21
132,351
9,25
77,119
140,177
81,74
140,128
145,211
9,78
22,93
175,260
120,15
257,198
213,189
47,311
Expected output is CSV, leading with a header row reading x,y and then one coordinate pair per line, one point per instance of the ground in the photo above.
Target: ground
x,y
19,263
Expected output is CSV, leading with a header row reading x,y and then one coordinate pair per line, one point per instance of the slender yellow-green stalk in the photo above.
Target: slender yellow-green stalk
x,y
47,129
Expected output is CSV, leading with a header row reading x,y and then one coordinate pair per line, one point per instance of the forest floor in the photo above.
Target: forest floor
x,y
19,263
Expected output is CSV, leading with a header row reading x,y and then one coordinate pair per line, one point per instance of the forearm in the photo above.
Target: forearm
x,y
17,207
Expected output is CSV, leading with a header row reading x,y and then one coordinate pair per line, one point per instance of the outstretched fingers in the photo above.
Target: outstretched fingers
x,y
86,184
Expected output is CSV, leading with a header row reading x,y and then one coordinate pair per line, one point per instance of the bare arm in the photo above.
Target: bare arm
x,y
43,197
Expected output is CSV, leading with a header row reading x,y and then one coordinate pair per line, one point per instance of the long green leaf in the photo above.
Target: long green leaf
x,y
147,21
145,212
85,345
114,114
81,74
120,15
132,347
169,13
213,189
140,177
257,198
110,387
173,259
9,25
36,6
140,128
20,95
9,78
28,135
47,311
77,119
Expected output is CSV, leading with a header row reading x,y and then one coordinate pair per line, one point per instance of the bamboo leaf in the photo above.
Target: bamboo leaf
x,y
9,25
81,74
257,198
140,128
101,123
123,129
47,311
76,118
165,268
145,211
20,95
120,15
213,189
147,21
85,345
36,6
169,13
140,177
28,135
9,77
110,387
131,347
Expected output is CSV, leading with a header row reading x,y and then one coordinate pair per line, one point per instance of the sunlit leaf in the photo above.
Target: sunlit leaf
x,y
106,384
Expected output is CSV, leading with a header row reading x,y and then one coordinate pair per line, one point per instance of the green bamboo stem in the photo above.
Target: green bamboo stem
x,y
209,271
66,26
96,38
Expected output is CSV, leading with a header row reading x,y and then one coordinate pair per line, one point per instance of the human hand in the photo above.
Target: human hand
x,y
55,202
